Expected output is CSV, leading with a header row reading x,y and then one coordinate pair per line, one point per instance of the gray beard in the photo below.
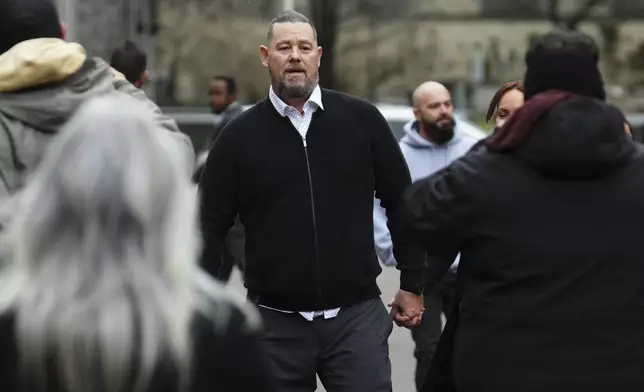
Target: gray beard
x,y
295,92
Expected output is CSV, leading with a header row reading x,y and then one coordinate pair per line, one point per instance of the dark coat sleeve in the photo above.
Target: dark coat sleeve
x,y
436,209
391,179
233,359
218,199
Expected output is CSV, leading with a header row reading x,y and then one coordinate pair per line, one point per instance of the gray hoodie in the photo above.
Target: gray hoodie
x,y
424,158
30,118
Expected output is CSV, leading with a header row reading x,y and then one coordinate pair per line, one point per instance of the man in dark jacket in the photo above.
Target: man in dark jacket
x,y
224,104
301,168
548,221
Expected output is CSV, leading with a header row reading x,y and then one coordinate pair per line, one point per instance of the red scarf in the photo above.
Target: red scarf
x,y
522,121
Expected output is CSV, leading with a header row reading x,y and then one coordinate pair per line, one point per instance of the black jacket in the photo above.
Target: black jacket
x,y
552,262
307,208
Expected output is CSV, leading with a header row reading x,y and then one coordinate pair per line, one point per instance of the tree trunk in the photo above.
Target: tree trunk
x,y
324,14
372,62
553,12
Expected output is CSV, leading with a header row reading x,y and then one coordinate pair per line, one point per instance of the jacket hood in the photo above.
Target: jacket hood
x,y
43,81
413,139
579,138
39,61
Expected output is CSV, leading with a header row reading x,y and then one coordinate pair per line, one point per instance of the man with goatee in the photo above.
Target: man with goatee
x,y
301,168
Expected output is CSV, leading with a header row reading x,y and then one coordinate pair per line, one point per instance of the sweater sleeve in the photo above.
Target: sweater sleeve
x,y
218,199
391,179
436,208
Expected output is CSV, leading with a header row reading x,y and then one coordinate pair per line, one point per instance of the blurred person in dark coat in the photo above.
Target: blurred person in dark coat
x,y
547,219
226,107
223,102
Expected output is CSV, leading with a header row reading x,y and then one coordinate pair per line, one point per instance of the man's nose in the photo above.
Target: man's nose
x,y
295,55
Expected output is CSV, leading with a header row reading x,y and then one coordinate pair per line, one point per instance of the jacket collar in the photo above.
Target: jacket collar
x,y
281,106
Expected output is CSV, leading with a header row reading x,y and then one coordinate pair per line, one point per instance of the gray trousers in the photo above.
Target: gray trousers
x,y
350,353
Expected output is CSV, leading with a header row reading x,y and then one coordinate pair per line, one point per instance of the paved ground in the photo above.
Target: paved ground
x,y
400,343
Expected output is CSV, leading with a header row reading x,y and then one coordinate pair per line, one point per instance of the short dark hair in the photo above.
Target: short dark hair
x,y
23,20
289,16
231,84
130,61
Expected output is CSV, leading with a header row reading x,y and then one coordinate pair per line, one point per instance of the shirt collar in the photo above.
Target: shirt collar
x,y
280,106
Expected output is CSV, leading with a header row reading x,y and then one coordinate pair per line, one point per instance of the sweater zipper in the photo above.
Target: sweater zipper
x,y
315,227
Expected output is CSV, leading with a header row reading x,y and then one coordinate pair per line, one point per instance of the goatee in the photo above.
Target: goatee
x,y
297,91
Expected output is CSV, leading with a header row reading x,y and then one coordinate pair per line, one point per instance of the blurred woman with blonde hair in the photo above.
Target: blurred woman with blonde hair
x,y
102,291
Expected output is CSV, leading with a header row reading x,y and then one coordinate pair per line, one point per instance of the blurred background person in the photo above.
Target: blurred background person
x,y
102,291
224,104
552,293
505,101
43,80
432,141
132,62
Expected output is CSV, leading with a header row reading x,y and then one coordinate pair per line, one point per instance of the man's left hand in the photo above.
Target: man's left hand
x,y
406,309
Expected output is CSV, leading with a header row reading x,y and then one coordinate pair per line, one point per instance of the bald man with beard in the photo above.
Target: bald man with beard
x,y
432,141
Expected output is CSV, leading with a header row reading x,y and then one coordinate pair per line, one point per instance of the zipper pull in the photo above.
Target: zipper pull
x,y
304,141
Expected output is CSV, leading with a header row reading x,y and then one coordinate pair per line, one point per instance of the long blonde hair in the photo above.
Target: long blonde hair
x,y
104,244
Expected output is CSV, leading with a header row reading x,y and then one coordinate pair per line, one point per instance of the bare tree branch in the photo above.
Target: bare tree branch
x,y
583,13
553,12
325,16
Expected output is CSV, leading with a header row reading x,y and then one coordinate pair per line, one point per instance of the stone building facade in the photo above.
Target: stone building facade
x,y
464,43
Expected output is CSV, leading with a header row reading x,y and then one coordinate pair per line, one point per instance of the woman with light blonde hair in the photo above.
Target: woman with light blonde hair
x,y
101,290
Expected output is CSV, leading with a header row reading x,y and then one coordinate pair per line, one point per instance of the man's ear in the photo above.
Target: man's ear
x,y
63,31
319,55
417,114
263,53
143,79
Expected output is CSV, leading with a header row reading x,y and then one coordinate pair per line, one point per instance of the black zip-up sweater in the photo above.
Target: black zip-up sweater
x,y
307,205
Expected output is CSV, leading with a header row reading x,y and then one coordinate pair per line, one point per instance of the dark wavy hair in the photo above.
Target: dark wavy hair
x,y
498,96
